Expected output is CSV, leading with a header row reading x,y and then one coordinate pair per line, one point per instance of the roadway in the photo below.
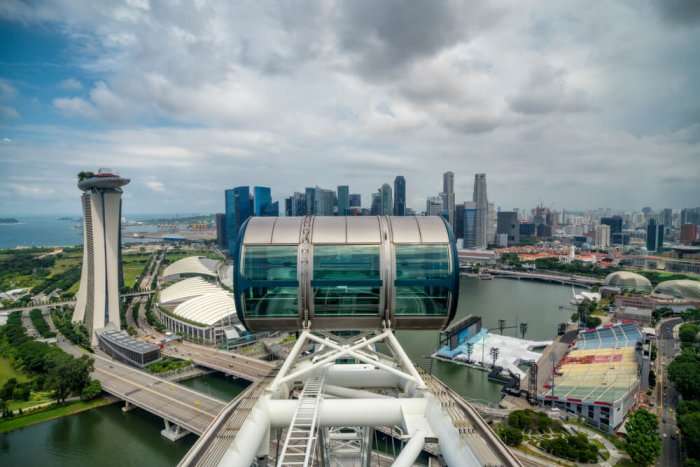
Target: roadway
x,y
184,407
666,394
570,279
237,365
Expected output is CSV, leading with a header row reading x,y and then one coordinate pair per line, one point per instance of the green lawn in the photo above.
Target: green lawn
x,y
36,398
133,266
7,372
51,413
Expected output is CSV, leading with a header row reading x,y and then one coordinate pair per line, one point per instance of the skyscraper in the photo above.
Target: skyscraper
x,y
298,204
221,239
343,200
387,200
655,236
400,196
324,202
433,206
288,202
310,202
376,206
602,236
448,196
615,223
98,296
482,206
471,223
238,209
667,217
262,196
355,200
507,224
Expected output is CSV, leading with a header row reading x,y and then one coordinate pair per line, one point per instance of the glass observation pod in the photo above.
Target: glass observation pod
x,y
346,273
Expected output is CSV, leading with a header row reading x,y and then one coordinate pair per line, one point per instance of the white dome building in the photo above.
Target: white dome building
x,y
630,281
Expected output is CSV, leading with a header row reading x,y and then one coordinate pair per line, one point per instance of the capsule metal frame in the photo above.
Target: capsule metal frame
x,y
388,234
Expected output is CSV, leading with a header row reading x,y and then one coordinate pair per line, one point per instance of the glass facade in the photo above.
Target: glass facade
x,y
346,280
269,284
423,274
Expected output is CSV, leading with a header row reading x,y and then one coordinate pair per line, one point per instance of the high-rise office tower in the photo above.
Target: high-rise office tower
x,y
615,223
400,196
298,204
602,236
238,209
387,200
262,202
507,224
458,228
667,217
288,202
376,206
355,200
471,224
324,202
98,296
221,239
655,236
310,201
448,196
689,233
433,206
343,200
482,205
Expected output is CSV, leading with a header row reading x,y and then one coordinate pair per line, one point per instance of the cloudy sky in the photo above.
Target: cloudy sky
x,y
571,104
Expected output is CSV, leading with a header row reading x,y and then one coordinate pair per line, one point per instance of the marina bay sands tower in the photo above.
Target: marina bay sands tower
x,y
98,297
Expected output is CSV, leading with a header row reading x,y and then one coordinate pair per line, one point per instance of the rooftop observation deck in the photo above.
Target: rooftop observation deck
x,y
104,179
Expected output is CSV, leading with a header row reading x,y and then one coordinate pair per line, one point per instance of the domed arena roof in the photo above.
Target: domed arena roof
x,y
683,289
628,281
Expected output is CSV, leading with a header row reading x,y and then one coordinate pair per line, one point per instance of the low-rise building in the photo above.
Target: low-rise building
x,y
121,346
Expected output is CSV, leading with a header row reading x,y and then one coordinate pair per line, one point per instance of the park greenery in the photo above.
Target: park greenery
x,y
40,324
74,332
48,367
684,373
167,364
574,447
40,270
642,441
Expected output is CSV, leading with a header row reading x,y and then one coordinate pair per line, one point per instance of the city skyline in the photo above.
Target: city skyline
x,y
551,109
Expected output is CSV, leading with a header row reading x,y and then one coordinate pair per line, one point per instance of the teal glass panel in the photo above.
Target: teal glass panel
x,y
346,262
269,262
346,300
422,262
262,302
421,300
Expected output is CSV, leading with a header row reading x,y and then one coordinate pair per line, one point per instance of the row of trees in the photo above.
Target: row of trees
x,y
74,332
40,324
52,368
642,441
684,373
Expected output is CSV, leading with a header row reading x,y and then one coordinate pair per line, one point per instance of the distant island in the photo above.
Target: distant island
x,y
8,220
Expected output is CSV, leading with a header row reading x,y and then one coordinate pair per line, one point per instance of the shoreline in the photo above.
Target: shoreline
x,y
53,412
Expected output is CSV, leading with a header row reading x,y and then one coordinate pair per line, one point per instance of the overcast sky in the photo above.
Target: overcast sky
x,y
574,104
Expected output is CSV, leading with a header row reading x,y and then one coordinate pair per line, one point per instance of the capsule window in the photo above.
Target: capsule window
x,y
346,280
269,285
422,280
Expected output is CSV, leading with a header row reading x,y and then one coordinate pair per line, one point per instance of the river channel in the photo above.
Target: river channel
x,y
108,437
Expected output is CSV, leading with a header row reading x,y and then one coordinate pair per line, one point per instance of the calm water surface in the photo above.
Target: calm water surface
x,y
106,437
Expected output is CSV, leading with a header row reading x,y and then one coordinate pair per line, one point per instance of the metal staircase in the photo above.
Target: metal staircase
x,y
298,446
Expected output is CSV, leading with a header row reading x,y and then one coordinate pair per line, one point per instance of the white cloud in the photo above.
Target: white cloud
x,y
70,84
74,107
8,113
155,185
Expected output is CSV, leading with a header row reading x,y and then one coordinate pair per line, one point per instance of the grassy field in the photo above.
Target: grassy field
x,y
133,266
51,413
7,372
37,398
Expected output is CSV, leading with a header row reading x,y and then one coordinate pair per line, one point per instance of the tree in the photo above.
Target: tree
x,y
92,390
643,443
688,332
684,372
69,375
689,424
511,436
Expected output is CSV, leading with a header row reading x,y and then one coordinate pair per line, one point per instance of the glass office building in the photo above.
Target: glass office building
x,y
238,210
346,273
